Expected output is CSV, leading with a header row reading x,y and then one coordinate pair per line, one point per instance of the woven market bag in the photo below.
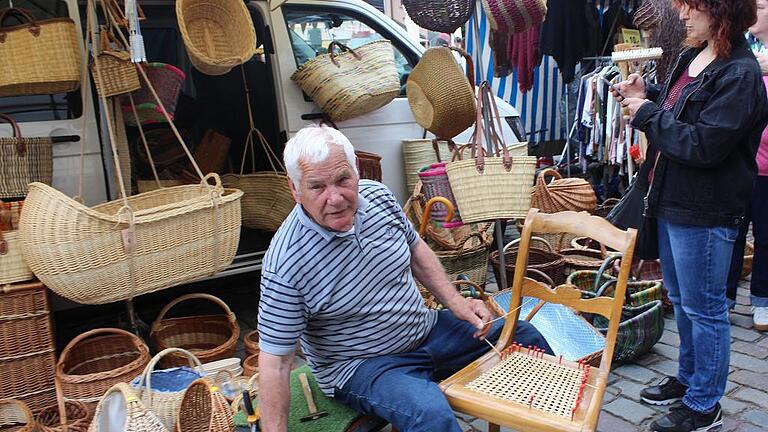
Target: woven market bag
x,y
218,34
208,337
118,72
96,360
351,83
514,16
204,409
418,153
434,180
167,81
24,160
161,391
442,16
441,97
77,418
267,198
562,194
15,416
496,187
120,410
39,57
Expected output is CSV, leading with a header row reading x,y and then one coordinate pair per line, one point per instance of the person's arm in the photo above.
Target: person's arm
x,y
274,374
428,270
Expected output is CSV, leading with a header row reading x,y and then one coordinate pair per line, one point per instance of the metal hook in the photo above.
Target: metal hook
x,y
10,2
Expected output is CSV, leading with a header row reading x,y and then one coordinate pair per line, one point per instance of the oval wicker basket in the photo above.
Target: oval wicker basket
x,y
15,416
96,360
251,365
137,418
545,260
182,233
77,418
208,337
562,194
218,35
204,409
251,342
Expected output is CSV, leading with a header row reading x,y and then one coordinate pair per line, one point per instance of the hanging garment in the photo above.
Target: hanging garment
x,y
564,34
499,43
525,56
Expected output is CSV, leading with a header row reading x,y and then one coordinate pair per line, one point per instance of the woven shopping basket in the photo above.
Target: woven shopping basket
x,y
76,418
441,97
351,83
120,410
442,16
204,409
161,391
39,57
434,180
514,16
119,74
267,198
208,337
562,194
496,187
218,35
24,160
15,416
542,258
418,153
167,80
96,360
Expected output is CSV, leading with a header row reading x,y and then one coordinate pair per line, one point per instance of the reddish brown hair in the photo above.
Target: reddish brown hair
x,y
730,19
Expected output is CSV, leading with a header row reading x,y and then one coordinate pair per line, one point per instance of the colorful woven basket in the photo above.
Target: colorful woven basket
x,y
434,179
514,16
167,81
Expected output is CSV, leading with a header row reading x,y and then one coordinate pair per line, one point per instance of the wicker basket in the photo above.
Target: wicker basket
x,y
96,360
434,180
121,398
182,233
117,70
353,83
605,207
39,57
13,268
368,165
251,365
418,153
204,409
167,81
218,35
440,96
161,391
208,337
749,254
24,160
251,342
77,418
562,194
442,16
252,387
15,416
514,16
470,260
543,259
581,259
267,198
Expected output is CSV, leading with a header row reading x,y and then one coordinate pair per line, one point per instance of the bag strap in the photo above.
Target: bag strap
x,y
21,147
343,48
34,27
489,112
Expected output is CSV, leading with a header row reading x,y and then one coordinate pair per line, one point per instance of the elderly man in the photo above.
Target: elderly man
x,y
339,277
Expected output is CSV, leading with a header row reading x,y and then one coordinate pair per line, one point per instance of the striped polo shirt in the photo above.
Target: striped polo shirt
x,y
347,296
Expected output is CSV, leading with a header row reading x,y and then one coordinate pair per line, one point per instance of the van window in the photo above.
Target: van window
x,y
61,106
312,29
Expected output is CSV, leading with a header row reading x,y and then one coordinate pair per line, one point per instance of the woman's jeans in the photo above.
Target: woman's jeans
x,y
757,213
695,261
401,388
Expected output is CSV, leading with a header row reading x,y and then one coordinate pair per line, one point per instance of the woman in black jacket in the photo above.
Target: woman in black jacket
x,y
704,126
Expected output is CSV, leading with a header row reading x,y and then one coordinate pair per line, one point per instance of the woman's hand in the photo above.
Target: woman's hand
x,y
632,87
762,60
633,104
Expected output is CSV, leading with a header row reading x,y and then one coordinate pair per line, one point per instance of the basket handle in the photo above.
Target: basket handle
x,y
99,331
470,66
343,48
34,28
21,148
436,147
479,234
473,286
21,407
158,321
428,210
548,172
607,263
146,377
534,238
492,110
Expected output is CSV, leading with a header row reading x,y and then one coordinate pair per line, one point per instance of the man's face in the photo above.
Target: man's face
x,y
328,191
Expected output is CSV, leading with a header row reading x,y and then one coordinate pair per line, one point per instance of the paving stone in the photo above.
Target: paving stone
x,y
629,410
750,349
670,338
628,389
637,373
610,423
730,386
670,324
743,361
668,352
666,367
743,321
752,396
743,309
648,359
732,406
751,379
756,417
763,343
613,378
731,424
747,427
744,334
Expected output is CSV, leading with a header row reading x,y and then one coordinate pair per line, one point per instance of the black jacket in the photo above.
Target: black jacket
x,y
708,141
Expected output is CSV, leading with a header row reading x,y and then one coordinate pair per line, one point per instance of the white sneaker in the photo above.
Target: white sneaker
x,y
760,317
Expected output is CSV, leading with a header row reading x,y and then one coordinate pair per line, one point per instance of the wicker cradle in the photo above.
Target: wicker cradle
x,y
182,233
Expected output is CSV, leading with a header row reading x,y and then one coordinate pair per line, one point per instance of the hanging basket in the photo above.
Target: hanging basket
x,y
24,160
218,35
15,416
208,337
204,409
182,233
418,153
514,16
120,408
434,180
562,194
442,16
118,73
167,81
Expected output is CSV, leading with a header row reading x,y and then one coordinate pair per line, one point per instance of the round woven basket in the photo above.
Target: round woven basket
x,y
251,342
442,16
208,337
581,259
545,260
204,409
136,416
251,365
96,360
15,416
78,418
218,35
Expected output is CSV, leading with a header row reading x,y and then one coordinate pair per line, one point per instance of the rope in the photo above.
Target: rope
x,y
144,141
272,158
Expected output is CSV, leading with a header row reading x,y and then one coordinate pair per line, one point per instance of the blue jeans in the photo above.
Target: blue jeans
x,y
401,388
695,261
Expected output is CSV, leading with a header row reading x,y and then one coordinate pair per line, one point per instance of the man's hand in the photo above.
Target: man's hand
x,y
633,104
474,312
762,60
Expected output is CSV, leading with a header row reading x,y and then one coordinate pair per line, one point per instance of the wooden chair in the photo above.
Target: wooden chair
x,y
530,391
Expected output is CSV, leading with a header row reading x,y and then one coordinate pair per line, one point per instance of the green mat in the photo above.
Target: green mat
x,y
339,415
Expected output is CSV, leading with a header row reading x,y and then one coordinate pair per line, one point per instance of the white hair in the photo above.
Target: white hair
x,y
312,144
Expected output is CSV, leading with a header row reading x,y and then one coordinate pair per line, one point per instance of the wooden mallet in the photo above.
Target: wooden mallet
x,y
314,414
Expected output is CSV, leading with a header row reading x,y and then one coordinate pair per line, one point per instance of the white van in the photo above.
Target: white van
x,y
287,32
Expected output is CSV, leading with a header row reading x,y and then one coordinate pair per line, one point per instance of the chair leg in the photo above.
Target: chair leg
x,y
493,427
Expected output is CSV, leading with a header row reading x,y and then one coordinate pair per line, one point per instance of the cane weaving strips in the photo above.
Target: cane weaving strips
x,y
554,387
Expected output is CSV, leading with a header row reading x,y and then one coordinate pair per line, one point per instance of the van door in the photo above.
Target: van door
x,y
60,115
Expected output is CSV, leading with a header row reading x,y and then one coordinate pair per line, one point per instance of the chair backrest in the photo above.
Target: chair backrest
x,y
581,224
